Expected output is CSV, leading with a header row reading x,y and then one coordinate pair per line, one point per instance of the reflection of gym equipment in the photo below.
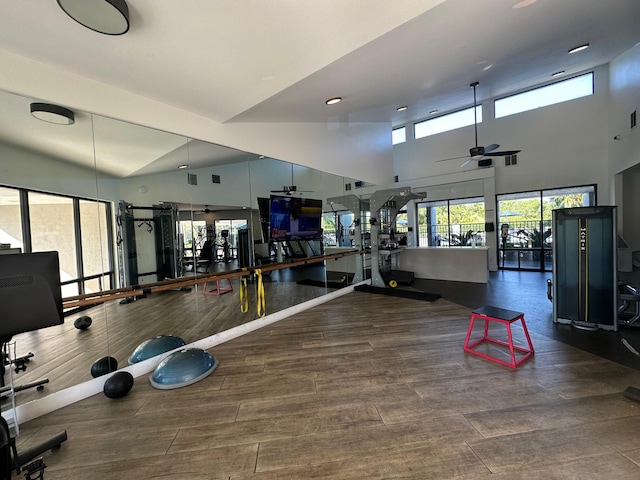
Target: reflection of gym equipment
x,y
30,299
351,203
217,287
628,305
504,233
225,255
585,267
148,246
385,205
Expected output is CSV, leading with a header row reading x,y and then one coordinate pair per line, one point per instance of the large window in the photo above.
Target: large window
x,y
52,228
78,229
10,219
444,123
193,234
525,235
451,223
94,235
558,92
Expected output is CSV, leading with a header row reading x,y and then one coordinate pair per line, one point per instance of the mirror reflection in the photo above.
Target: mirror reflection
x,y
146,215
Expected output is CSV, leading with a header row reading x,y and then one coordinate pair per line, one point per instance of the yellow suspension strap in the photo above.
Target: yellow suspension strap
x,y
260,301
244,296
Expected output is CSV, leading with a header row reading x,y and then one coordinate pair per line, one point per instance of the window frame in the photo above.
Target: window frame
x,y
541,92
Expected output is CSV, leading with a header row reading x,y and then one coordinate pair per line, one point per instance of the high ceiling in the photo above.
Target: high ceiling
x,y
277,61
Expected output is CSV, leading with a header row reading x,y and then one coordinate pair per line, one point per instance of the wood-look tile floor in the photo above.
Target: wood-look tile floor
x,y
362,387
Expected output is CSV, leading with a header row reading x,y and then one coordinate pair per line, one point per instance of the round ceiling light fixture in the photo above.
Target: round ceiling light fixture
x,y
52,113
579,48
110,17
333,101
401,109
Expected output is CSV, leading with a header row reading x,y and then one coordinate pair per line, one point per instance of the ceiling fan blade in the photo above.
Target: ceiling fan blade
x,y
502,153
466,162
490,148
452,158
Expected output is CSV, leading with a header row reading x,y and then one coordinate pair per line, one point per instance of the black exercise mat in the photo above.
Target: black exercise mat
x,y
318,283
397,292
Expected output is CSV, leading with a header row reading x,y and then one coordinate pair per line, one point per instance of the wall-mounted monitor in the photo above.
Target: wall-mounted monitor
x,y
295,218
30,292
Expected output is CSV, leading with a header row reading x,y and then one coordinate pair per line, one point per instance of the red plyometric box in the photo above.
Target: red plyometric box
x,y
506,318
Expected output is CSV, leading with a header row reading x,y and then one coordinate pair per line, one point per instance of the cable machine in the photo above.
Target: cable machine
x,y
585,267
148,246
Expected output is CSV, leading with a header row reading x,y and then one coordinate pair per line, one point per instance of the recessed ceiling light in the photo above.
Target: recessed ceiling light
x,y
433,111
402,109
579,48
333,101
557,74
183,166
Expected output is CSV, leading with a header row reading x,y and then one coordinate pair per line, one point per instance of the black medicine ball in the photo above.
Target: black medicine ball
x,y
103,366
118,385
82,323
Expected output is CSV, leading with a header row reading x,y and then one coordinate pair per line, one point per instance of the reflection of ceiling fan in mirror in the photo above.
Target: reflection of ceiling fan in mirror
x,y
206,209
290,190
479,152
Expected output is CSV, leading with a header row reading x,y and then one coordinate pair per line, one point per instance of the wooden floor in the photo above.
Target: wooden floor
x,y
64,354
363,387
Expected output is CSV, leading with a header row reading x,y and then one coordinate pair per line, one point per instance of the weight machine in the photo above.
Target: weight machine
x,y
585,267
148,246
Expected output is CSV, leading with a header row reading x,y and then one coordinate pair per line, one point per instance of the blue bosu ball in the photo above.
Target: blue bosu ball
x,y
118,385
183,368
155,346
103,365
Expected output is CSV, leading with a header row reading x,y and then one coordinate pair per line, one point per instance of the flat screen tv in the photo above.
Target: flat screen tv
x,y
295,218
30,293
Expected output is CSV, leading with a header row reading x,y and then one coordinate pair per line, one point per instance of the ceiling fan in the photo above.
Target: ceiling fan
x,y
206,209
478,152
289,190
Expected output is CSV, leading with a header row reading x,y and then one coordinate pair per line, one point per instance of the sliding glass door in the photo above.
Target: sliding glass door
x,y
525,236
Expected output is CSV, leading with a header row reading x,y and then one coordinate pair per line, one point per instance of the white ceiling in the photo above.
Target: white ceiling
x,y
257,61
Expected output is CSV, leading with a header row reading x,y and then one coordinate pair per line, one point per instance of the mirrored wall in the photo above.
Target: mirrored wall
x,y
129,206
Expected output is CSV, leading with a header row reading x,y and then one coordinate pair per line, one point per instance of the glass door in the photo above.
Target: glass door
x,y
524,219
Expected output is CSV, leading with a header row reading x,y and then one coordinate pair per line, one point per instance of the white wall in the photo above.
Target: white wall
x,y
355,149
624,152
624,83
562,145
21,168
